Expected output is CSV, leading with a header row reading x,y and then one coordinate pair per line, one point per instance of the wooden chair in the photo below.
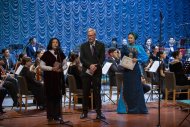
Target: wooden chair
x,y
76,93
170,86
24,92
119,82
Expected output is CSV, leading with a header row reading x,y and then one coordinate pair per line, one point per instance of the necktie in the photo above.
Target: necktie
x,y
92,47
7,63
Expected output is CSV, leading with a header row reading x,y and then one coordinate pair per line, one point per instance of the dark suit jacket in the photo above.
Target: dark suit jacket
x,y
87,58
30,52
113,69
11,63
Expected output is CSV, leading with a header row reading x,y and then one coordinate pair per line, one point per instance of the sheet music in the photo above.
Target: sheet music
x,y
127,63
154,66
106,67
66,70
19,70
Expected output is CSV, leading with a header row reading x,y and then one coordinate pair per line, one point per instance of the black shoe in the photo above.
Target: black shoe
x,y
2,112
83,115
42,107
50,119
100,116
57,118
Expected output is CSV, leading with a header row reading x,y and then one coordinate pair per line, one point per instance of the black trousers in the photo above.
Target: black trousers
x,y
94,83
38,92
10,87
3,93
53,108
14,82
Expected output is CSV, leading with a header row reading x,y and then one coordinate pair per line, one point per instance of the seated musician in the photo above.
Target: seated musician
x,y
8,66
10,84
114,67
36,87
75,69
176,66
148,46
36,66
153,56
9,61
18,63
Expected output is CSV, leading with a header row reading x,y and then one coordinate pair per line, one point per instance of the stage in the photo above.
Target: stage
x,y
171,116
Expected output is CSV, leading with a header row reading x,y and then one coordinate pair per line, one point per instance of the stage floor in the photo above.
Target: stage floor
x,y
171,116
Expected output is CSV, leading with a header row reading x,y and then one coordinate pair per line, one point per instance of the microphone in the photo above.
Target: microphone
x,y
57,50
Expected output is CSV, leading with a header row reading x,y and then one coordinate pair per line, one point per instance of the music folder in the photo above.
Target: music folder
x,y
154,66
127,63
19,70
66,70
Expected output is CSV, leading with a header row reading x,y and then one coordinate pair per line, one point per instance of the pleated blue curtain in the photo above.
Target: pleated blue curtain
x,y
68,20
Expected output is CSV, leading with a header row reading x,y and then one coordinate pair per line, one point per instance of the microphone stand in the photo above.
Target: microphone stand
x,y
160,37
24,49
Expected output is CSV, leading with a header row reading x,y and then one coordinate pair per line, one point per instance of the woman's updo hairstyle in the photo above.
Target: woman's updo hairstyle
x,y
134,35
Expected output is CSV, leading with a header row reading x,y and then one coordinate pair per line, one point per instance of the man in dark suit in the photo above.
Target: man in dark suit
x,y
92,55
32,48
8,60
114,67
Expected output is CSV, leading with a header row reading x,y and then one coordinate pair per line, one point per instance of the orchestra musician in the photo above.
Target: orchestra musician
x,y
9,84
32,48
37,67
36,87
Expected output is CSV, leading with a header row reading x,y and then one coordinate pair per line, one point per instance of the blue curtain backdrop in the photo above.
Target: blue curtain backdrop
x,y
68,20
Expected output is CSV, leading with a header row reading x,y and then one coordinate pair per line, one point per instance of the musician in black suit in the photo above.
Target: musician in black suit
x,y
115,67
8,59
32,48
92,55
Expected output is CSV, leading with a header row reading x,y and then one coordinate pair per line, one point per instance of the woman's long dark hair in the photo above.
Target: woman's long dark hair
x,y
49,47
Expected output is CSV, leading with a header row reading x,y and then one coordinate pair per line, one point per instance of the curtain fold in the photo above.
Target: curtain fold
x,y
68,20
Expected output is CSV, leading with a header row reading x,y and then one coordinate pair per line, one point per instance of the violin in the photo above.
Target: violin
x,y
38,73
2,70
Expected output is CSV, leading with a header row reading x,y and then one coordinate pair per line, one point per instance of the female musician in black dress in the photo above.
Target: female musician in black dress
x,y
176,66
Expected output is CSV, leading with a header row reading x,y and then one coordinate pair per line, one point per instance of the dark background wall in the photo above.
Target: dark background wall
x,y
68,20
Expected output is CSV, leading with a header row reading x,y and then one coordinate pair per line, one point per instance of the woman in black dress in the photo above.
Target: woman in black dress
x,y
176,66
53,63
